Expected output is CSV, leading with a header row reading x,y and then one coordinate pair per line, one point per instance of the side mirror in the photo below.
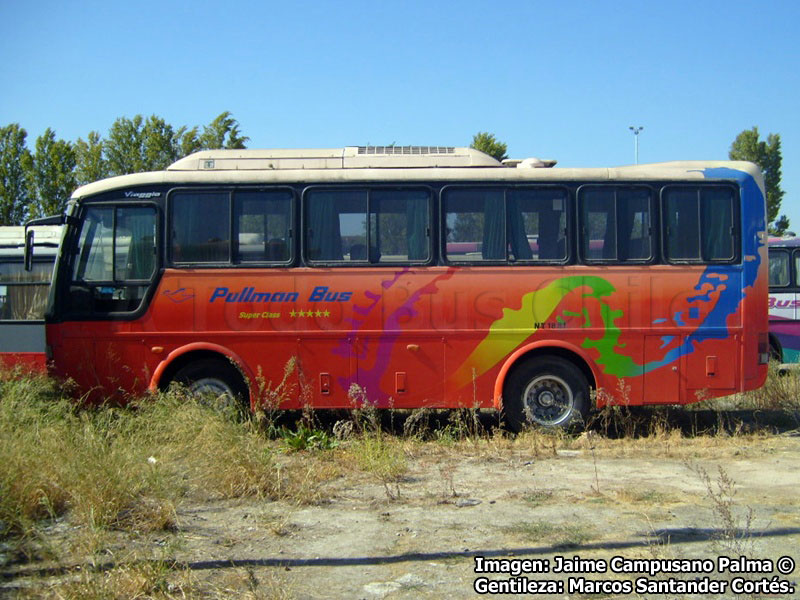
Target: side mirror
x,y
54,220
28,249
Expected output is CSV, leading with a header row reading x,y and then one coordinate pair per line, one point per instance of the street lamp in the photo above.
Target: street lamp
x,y
636,131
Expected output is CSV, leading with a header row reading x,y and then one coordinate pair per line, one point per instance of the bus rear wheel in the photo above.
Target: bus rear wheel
x,y
215,383
546,391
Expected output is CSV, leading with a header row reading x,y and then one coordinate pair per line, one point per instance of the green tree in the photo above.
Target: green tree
x,y
486,142
188,141
14,159
123,148
223,132
90,161
160,144
767,155
136,145
52,175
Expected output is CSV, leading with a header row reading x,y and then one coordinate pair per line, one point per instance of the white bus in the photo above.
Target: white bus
x,y
23,294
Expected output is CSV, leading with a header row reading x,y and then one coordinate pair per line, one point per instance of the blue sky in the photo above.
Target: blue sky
x,y
559,80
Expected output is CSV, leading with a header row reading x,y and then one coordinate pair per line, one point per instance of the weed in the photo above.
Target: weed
x,y
538,497
566,535
645,496
278,525
615,417
363,412
447,472
734,527
381,458
596,487
307,438
343,429
271,397
418,423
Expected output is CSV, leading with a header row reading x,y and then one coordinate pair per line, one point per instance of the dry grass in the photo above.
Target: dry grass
x,y
109,468
157,580
558,535
107,472
380,456
780,394
154,580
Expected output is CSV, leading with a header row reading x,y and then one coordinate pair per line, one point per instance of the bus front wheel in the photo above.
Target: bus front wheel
x,y
547,391
215,383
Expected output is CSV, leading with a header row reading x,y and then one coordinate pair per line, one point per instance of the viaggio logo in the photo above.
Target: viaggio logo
x,y
142,195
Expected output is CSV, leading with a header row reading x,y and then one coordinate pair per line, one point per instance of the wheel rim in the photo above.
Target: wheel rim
x,y
548,400
213,392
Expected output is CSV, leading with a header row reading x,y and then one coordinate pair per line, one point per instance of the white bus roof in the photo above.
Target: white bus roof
x,y
12,239
389,164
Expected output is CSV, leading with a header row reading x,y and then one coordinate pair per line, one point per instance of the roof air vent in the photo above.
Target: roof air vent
x,y
406,150
530,163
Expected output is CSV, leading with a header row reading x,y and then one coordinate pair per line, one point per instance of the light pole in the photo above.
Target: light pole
x,y
636,131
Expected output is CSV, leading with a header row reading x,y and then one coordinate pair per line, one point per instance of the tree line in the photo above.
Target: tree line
x,y
747,146
39,181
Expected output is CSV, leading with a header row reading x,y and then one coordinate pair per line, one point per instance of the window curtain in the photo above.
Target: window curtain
x,y
200,227
276,227
682,220
141,224
626,205
325,239
417,226
599,223
23,302
494,226
549,234
715,206
520,247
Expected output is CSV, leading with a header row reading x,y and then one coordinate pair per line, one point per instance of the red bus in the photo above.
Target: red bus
x,y
427,276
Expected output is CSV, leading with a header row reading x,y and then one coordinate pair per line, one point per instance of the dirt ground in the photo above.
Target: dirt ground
x,y
670,498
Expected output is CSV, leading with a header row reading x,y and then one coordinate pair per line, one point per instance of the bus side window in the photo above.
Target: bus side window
x,y
793,277
615,223
399,225
200,222
700,223
369,226
476,224
537,223
778,268
263,225
598,223
336,221
717,228
635,231
682,224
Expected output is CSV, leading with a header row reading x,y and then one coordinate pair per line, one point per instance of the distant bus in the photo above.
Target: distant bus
x,y
425,276
23,295
784,300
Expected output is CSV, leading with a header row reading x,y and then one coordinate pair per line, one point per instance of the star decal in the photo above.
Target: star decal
x,y
309,313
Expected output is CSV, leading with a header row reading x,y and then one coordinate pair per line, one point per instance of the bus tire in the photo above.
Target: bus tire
x,y
216,383
547,391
